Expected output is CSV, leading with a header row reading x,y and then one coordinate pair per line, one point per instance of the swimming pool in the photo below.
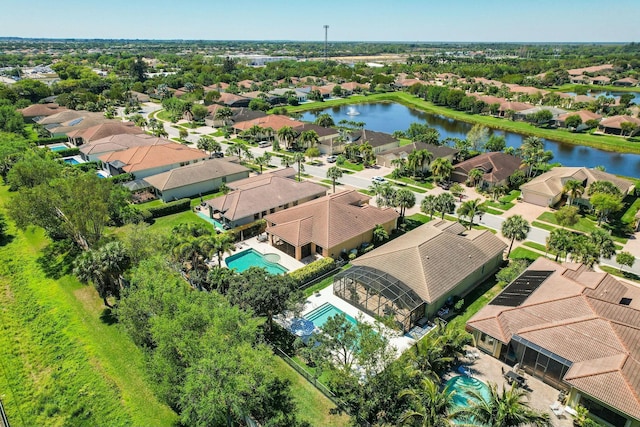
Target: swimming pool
x,y
252,258
216,224
461,385
57,147
71,161
320,315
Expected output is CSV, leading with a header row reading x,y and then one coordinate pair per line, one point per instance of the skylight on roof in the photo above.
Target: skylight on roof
x,y
626,301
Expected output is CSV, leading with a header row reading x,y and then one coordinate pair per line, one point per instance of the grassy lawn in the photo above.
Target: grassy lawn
x,y
367,192
474,301
313,406
63,361
604,142
505,206
356,167
630,213
409,181
514,194
584,225
543,226
523,253
163,115
535,245
414,189
493,211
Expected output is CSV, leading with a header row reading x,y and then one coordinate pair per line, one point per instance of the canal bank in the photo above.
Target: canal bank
x,y
601,142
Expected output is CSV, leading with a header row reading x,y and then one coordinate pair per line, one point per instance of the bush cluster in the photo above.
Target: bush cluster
x,y
170,208
252,229
313,270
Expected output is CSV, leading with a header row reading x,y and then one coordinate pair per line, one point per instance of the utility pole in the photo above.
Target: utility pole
x,y
326,31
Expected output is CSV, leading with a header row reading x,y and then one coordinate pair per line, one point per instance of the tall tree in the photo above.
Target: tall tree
x,y
334,173
574,189
104,268
429,205
287,135
441,169
299,159
325,120
404,199
470,209
309,138
605,204
429,407
445,204
515,228
625,258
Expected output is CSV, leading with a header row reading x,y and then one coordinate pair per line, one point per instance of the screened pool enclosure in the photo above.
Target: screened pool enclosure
x,y
379,295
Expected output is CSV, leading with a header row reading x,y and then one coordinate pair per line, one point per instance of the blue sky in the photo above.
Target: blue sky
x,y
371,20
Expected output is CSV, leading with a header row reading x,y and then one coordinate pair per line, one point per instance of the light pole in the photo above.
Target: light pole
x,y
326,31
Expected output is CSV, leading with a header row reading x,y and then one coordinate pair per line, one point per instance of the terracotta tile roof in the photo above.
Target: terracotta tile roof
x,y
328,221
376,139
422,258
42,110
263,192
616,121
497,166
69,115
577,314
229,98
274,121
403,152
152,156
120,142
592,69
321,131
514,106
629,80
195,173
583,114
104,130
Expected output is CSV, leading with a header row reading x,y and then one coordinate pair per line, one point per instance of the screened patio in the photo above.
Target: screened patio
x,y
379,294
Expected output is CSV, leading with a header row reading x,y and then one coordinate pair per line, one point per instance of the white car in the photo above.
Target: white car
x,y
264,144
332,159
378,179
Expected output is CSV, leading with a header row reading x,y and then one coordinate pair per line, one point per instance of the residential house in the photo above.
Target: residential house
x,y
385,158
573,328
349,88
613,125
232,100
196,178
327,137
257,196
497,168
329,226
379,141
300,94
102,130
150,160
273,121
601,80
510,108
411,276
547,189
555,112
585,116
36,112
626,82
69,120
92,151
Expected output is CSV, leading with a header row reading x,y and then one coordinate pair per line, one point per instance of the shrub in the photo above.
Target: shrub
x,y
69,152
88,166
313,270
125,177
54,140
170,208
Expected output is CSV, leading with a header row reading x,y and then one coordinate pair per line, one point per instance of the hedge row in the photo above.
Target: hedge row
x,y
123,177
247,231
87,166
313,270
54,140
170,208
68,152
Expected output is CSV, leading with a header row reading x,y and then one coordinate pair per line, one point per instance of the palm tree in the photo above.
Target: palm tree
x,y
334,173
261,161
574,189
239,149
104,267
223,243
325,120
224,114
506,408
469,209
445,203
287,135
309,138
603,243
404,199
441,168
205,143
366,152
400,165
429,405
560,241
299,159
475,175
428,205
515,228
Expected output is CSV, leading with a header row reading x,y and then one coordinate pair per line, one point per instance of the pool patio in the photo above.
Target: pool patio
x,y
286,261
489,369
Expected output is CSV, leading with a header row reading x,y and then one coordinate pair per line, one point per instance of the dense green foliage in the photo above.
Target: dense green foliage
x,y
312,270
170,208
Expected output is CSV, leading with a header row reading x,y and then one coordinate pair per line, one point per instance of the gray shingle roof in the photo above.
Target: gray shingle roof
x,y
194,173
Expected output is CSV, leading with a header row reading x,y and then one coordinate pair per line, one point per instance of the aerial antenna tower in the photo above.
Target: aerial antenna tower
x,y
326,32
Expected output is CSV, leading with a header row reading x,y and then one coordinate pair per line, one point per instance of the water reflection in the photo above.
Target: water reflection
x,y
389,117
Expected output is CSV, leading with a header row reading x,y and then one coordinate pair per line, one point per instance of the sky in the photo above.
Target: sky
x,y
348,20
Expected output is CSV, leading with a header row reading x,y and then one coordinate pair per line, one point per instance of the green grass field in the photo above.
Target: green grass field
x,y
584,225
62,359
523,253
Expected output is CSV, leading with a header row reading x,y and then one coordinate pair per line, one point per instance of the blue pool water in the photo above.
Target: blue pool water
x,y
461,384
216,224
252,258
58,147
71,161
320,315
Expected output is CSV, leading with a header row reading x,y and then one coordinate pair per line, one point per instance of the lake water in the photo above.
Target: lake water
x,y
389,117
596,93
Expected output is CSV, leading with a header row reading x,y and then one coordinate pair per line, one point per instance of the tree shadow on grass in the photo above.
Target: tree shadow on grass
x,y
108,317
6,239
57,258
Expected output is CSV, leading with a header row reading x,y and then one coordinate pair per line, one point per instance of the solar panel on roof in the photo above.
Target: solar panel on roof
x,y
75,121
519,290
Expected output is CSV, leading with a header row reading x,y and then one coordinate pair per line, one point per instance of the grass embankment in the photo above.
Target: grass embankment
x,y
602,142
584,225
62,359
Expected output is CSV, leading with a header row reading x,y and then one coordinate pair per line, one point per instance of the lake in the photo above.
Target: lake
x,y
596,93
388,117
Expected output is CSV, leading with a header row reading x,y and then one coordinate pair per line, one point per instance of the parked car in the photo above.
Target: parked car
x,y
378,179
217,155
264,144
332,159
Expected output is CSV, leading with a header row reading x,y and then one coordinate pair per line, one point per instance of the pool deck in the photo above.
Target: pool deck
x,y
286,261
489,369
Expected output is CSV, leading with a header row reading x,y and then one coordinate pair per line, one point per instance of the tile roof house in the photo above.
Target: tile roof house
x,y
585,115
547,189
329,226
379,141
497,168
417,267
196,178
273,121
627,81
575,329
94,149
613,125
257,196
36,112
103,130
385,158
326,136
67,121
144,161
232,100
